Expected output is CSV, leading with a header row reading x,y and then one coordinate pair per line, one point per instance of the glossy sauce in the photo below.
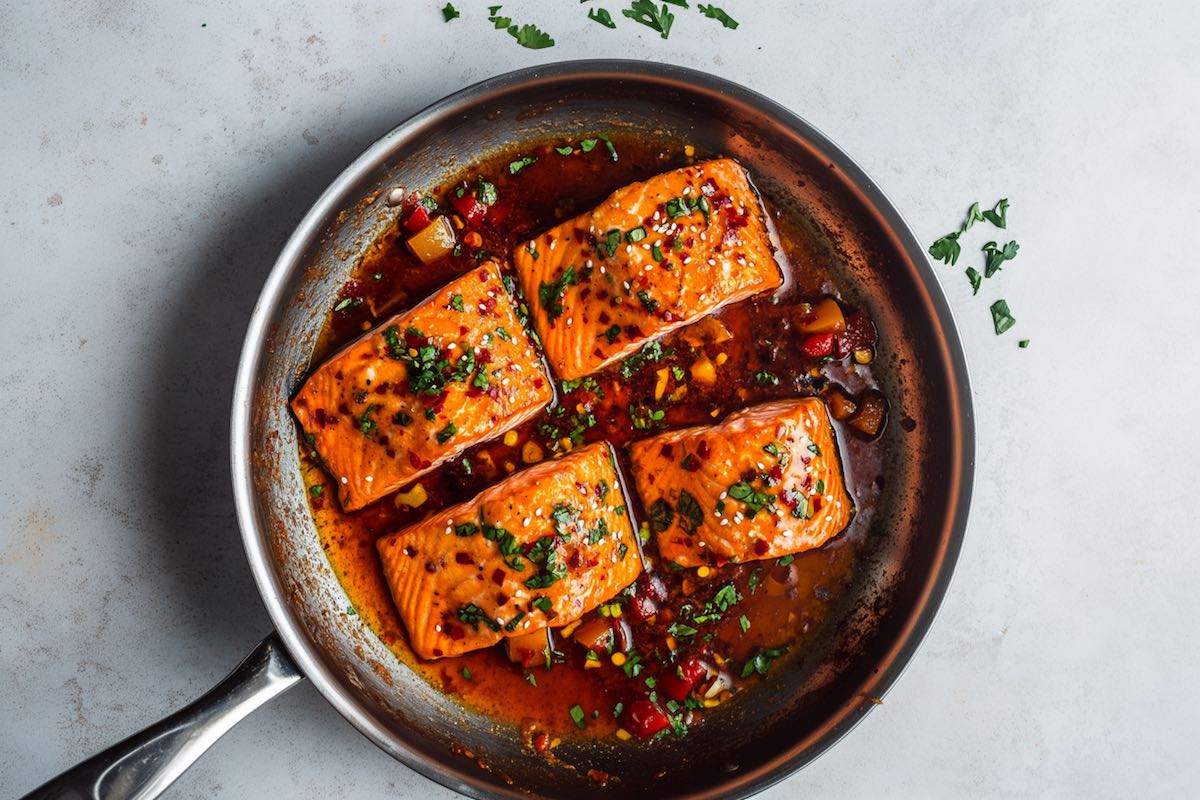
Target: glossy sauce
x,y
788,601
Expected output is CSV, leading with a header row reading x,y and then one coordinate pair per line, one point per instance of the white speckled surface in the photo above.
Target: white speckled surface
x,y
152,168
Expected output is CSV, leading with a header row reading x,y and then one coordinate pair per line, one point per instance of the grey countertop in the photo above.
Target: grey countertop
x,y
157,155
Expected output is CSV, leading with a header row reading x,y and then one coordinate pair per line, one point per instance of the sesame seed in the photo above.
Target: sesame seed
x,y
344,479
370,478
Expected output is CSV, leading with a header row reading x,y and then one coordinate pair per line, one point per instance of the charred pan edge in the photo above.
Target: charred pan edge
x,y
277,295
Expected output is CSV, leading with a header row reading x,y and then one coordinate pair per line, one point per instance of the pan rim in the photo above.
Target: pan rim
x,y
274,295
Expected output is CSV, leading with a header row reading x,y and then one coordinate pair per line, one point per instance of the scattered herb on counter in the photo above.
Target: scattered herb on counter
x,y
602,16
976,280
994,256
647,13
449,12
1023,344
1001,318
712,12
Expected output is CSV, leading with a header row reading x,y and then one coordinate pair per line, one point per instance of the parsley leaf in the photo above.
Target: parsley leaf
x,y
1001,318
712,12
487,192
946,249
551,294
647,13
975,279
520,164
602,16
995,256
661,515
998,216
531,36
691,515
449,12
588,145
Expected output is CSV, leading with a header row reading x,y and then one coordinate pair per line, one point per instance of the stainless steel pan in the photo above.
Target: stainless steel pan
x,y
751,744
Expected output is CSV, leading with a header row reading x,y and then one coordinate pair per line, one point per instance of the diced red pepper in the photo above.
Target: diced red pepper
x,y
641,608
817,345
644,719
860,334
679,684
469,206
419,219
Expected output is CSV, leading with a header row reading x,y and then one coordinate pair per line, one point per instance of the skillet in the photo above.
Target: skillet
x,y
796,715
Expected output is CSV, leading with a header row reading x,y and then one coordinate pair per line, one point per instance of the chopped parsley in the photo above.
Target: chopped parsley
x,y
402,419
609,244
578,715
648,302
348,302
367,426
521,163
487,192
456,302
946,249
543,604
753,499
612,333
647,13
635,235
466,529
449,12
661,515
446,433
691,515
645,418
473,615
712,12
316,489
975,278
765,378
551,294
602,16
466,673
1001,318
1021,344
761,663
588,145
994,256
744,623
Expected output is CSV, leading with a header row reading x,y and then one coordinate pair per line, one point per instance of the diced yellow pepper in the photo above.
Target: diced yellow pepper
x,y
660,385
414,497
704,372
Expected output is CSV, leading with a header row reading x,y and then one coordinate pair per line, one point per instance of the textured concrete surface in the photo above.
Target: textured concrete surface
x,y
155,157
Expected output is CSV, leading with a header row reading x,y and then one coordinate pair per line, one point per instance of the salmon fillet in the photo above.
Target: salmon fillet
x,y
654,256
423,387
765,483
540,549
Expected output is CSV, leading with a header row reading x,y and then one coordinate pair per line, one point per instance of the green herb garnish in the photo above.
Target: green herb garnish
x,y
712,12
1001,318
521,163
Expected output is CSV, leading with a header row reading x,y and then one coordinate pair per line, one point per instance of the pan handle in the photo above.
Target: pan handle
x,y
145,764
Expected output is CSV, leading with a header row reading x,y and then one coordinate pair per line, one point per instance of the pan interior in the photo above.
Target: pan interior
x,y
918,521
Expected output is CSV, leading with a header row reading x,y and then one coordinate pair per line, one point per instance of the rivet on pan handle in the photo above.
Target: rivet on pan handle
x,y
145,764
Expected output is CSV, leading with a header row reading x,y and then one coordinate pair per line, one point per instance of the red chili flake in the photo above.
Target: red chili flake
x,y
437,652
383,388
414,459
817,502
541,741
537,383
585,293
776,473
691,463
501,599
344,409
334,419
761,547
702,449
410,551
463,558
430,566
575,560
667,451
474,391
319,415
390,453
485,275
488,305
462,330
708,188
455,632
498,576
338,375
485,356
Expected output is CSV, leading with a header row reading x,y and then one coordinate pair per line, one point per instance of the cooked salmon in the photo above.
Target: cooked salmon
x,y
422,387
539,549
766,482
654,256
